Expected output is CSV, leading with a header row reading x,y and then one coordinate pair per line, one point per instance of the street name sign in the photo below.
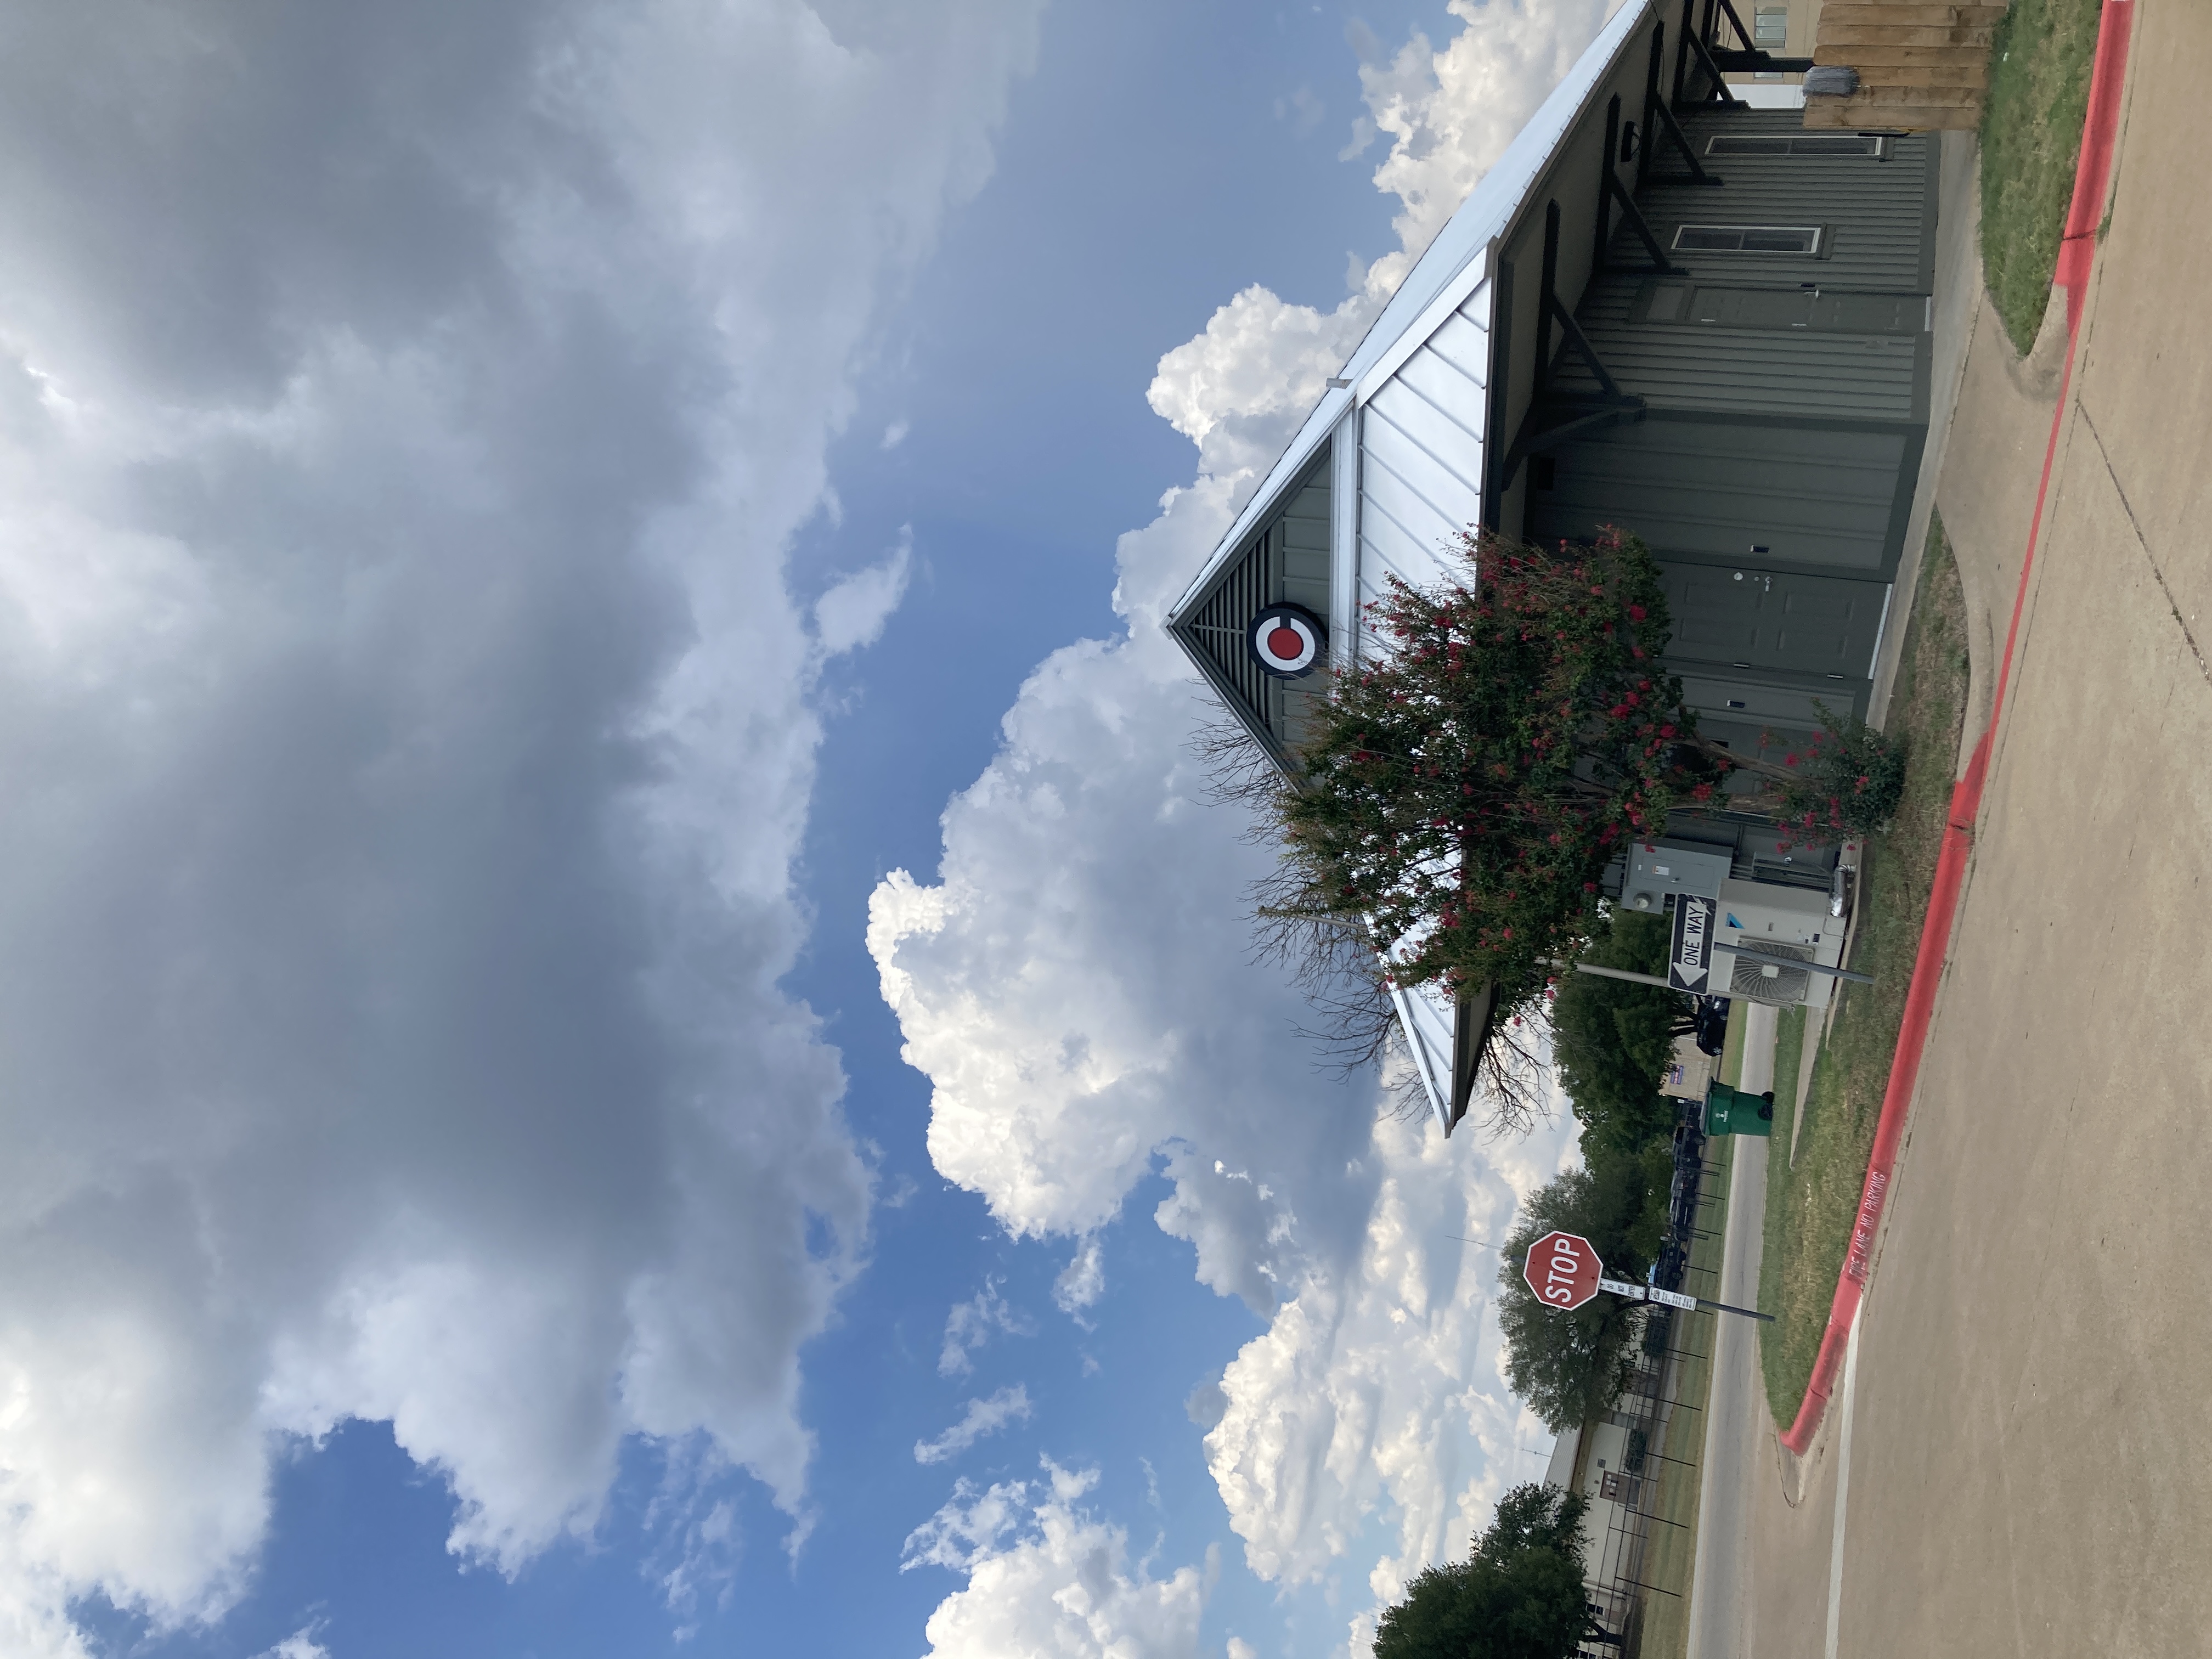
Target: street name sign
x,y
1635,1292
1563,1269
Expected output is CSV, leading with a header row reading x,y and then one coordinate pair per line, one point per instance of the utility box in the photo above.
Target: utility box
x,y
1659,869
1738,1112
1782,924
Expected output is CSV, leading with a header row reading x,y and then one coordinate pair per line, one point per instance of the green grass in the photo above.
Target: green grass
x,y
2032,117
1788,1060
1813,1187
1672,1552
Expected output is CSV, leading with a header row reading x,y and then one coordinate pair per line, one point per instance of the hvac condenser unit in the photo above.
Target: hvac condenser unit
x,y
1781,925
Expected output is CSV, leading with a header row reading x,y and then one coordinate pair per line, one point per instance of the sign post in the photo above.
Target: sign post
x,y
1564,1271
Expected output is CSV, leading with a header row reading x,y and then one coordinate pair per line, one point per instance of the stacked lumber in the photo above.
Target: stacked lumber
x,y
1922,67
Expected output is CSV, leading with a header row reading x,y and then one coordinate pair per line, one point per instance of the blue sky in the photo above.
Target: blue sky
x,y
608,922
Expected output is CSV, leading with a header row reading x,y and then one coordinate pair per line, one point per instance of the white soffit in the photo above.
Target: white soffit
x,y
1445,278
1428,1022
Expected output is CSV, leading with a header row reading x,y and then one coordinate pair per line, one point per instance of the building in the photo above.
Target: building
x,y
1758,43
1659,310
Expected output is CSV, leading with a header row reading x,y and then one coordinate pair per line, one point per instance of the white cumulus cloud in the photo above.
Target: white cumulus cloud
x,y
1044,1577
1076,980
982,1417
1449,114
406,414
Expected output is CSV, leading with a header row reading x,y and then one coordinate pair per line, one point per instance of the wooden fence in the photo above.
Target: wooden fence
x,y
1921,67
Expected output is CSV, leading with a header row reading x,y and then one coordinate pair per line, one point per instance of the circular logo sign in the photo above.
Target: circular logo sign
x,y
1287,640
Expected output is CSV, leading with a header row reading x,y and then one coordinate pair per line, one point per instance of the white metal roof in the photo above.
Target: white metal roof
x,y
1418,386
1448,274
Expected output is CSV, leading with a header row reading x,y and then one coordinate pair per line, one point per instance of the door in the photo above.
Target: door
x,y
1752,618
1811,307
1806,306
1800,497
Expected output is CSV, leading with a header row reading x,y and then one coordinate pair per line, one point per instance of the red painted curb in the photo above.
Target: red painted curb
x,y
2076,253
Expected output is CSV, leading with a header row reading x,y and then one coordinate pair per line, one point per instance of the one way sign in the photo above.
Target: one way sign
x,y
1689,960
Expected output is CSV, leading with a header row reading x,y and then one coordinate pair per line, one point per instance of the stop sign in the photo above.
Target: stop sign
x,y
1563,1269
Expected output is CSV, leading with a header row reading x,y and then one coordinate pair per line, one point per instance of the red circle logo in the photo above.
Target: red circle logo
x,y
1287,640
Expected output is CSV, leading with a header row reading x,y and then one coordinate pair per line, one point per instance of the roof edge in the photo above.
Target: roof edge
x,y
1488,213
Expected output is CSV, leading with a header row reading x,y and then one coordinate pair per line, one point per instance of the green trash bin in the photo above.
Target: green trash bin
x,y
1737,1111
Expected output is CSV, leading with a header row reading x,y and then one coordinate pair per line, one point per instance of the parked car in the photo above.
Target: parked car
x,y
1710,1021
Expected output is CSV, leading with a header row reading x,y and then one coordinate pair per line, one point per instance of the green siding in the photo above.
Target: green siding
x,y
1815,499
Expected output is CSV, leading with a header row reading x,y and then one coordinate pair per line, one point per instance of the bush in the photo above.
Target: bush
x,y
1847,781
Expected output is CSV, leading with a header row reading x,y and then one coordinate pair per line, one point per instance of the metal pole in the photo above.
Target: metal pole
x,y
1737,950
1617,973
1725,1307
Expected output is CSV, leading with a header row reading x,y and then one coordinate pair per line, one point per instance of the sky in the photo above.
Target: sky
x,y
627,1028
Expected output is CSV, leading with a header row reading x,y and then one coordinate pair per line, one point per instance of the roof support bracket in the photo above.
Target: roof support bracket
x,y
1611,189
1699,42
1551,419
1550,425
1583,348
1658,117
1550,309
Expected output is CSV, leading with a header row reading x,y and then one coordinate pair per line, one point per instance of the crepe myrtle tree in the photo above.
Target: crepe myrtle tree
x,y
1458,797
1455,799
1846,780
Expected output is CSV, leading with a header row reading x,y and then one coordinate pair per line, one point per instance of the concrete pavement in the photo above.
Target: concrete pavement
x,y
2029,1420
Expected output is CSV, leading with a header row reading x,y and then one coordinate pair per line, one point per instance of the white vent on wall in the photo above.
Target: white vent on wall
x,y
1766,981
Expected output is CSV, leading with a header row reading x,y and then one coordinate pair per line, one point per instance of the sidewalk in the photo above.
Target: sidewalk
x,y
2028,1419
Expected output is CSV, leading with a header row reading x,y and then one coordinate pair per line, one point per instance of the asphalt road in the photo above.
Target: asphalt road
x,y
1736,1420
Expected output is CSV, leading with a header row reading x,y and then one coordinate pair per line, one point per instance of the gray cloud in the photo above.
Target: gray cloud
x,y
404,412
